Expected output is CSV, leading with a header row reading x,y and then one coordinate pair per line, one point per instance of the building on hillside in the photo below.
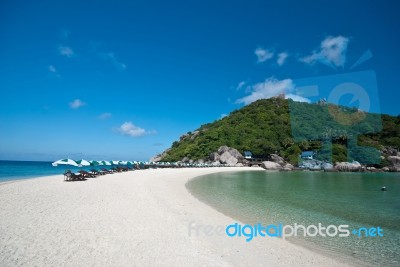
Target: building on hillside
x,y
248,155
307,155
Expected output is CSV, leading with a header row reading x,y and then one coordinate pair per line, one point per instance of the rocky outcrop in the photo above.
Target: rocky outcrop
x,y
394,162
214,156
226,155
390,151
270,165
277,159
160,156
348,166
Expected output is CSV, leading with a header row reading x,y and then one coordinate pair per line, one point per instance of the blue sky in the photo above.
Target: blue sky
x,y
124,79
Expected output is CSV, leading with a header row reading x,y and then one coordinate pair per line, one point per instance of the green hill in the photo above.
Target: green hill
x,y
286,127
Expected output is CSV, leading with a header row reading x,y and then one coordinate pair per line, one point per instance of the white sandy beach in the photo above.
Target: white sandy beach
x,y
135,218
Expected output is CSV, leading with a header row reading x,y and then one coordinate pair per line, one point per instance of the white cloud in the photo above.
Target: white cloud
x,y
66,51
282,58
272,87
297,98
128,128
105,116
240,85
263,54
110,56
53,70
332,52
77,103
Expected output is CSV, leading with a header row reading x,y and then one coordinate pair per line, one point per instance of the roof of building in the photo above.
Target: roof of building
x,y
307,154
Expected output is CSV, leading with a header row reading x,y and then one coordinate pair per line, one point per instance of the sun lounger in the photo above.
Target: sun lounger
x,y
70,176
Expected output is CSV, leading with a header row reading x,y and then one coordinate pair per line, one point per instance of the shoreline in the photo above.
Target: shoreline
x,y
132,218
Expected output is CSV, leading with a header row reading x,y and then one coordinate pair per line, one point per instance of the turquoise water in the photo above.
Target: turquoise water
x,y
309,198
17,170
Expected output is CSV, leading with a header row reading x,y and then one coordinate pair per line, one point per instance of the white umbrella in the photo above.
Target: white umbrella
x,y
95,163
83,162
115,162
65,162
107,163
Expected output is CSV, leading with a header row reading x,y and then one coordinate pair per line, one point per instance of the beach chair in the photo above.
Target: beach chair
x,y
70,176
86,174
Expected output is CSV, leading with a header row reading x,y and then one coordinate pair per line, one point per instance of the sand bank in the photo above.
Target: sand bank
x,y
138,218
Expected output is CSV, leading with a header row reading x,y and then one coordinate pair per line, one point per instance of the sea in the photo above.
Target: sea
x,y
17,170
309,198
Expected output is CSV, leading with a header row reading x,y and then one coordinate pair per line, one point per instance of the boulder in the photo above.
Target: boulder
x,y
216,163
288,166
394,162
390,151
227,158
239,165
270,165
277,159
214,156
227,155
200,161
327,166
222,149
185,159
348,166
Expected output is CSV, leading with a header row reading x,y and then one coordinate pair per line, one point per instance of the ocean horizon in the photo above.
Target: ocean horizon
x,y
19,170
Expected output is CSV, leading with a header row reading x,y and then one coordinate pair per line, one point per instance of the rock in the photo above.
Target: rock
x,y
185,159
227,158
288,166
160,156
270,165
216,163
395,162
227,155
183,137
200,161
327,166
277,159
194,134
390,151
385,169
311,164
222,149
239,165
214,156
348,166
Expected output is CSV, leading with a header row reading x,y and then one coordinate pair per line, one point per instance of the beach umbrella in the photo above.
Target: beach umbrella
x,y
83,162
123,162
115,162
65,162
95,163
107,163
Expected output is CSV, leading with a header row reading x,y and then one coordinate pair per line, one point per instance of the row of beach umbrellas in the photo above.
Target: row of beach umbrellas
x,y
83,162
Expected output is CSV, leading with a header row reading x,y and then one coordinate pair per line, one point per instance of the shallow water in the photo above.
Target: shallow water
x,y
307,198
